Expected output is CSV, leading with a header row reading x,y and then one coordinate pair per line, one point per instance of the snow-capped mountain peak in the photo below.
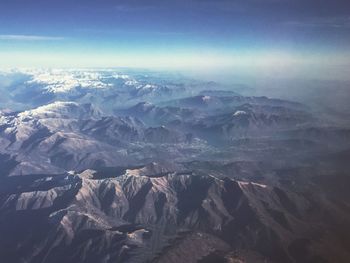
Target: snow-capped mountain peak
x,y
61,109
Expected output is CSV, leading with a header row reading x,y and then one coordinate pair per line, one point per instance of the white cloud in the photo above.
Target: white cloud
x,y
29,38
323,22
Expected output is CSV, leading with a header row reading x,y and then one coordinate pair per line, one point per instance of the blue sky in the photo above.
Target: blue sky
x,y
178,34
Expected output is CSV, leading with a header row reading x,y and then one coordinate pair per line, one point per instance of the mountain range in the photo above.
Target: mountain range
x,y
105,166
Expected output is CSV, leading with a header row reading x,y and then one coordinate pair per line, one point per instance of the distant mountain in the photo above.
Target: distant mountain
x,y
156,115
61,109
208,102
219,93
65,136
253,120
106,89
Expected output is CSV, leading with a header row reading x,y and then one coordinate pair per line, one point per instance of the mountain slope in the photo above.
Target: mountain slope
x,y
133,217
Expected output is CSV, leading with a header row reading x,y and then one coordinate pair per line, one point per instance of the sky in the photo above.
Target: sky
x,y
272,35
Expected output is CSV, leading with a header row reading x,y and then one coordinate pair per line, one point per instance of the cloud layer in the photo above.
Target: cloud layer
x,y
29,38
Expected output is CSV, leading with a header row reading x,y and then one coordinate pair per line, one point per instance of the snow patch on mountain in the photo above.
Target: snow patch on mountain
x,y
55,107
59,81
62,81
147,87
239,113
206,98
60,110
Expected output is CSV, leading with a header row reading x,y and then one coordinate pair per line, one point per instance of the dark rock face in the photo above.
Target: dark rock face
x,y
132,218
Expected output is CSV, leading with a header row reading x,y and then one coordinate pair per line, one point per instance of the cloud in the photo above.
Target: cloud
x,y
132,8
29,38
325,22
